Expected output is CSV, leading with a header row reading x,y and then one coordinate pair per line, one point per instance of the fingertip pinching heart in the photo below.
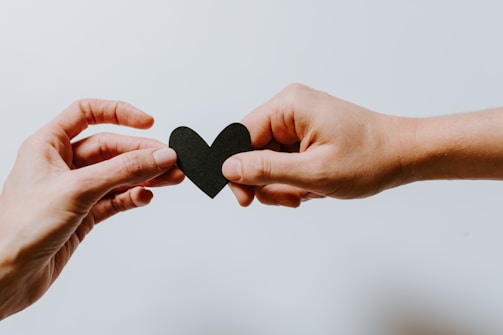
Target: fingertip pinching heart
x,y
202,163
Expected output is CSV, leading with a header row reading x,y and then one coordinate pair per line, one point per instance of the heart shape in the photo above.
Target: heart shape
x,y
202,163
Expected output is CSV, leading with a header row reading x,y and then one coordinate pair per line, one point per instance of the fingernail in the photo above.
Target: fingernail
x,y
232,169
165,157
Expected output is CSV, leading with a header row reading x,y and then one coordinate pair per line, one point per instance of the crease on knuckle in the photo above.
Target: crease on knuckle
x,y
122,202
85,107
116,205
294,89
132,166
116,109
261,172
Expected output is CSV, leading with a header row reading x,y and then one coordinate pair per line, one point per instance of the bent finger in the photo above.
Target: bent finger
x,y
173,176
280,195
80,114
120,202
282,118
131,168
103,146
244,193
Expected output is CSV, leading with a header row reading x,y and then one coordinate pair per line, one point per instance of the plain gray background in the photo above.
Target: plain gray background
x,y
423,254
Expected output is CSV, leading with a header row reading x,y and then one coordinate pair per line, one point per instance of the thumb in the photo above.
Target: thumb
x,y
264,167
129,168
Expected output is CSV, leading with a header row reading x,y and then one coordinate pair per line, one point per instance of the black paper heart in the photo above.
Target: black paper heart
x,y
203,164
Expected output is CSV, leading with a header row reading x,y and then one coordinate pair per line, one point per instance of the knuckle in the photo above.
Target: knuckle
x,y
266,167
132,165
261,171
88,109
84,105
28,143
115,205
122,203
291,92
85,108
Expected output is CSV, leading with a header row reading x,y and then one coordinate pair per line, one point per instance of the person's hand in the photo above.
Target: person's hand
x,y
59,189
313,145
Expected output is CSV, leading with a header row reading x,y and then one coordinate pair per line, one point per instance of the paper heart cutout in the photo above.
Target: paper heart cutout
x,y
202,163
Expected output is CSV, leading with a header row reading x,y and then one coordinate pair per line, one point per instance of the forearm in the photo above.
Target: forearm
x,y
463,146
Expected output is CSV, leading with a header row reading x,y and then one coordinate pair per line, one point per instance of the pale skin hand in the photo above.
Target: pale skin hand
x,y
314,145
59,189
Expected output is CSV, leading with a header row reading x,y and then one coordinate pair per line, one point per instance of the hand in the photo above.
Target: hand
x,y
58,190
313,145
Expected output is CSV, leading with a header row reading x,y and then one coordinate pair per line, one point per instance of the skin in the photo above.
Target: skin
x,y
313,145
59,189
309,145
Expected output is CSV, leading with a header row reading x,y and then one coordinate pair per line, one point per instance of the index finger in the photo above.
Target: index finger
x,y
278,119
79,115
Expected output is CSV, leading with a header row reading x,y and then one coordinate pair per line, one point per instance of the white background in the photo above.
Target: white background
x,y
426,255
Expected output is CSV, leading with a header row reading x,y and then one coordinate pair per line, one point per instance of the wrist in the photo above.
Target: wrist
x,y
462,146
399,152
